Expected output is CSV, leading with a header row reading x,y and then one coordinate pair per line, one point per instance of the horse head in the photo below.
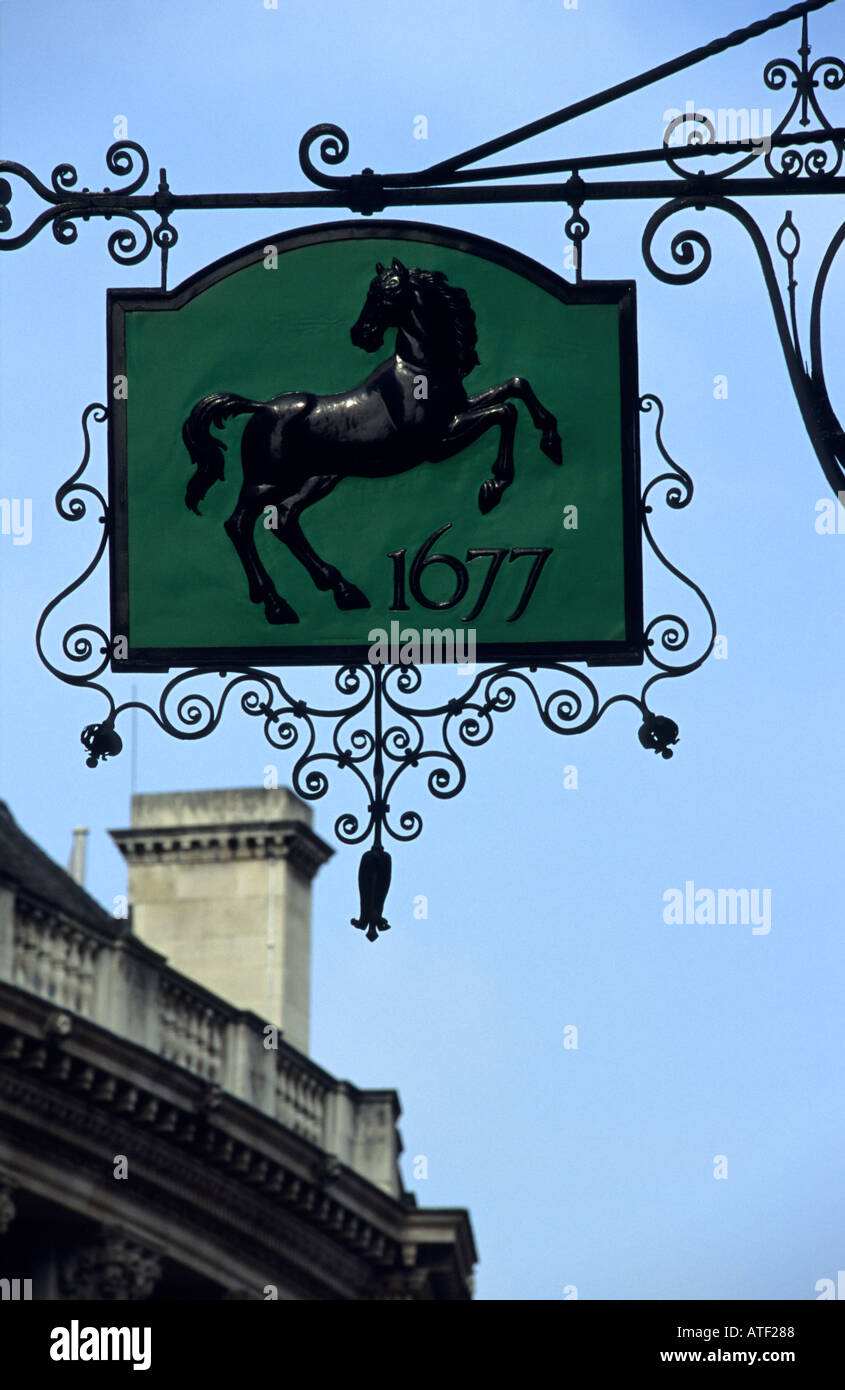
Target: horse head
x,y
386,306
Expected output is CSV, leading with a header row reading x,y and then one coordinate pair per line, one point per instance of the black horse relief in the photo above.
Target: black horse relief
x,y
412,409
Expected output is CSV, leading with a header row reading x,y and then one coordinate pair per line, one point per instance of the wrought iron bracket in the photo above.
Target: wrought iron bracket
x,y
789,163
378,730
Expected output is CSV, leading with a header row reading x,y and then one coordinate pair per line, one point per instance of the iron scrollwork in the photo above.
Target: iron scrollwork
x,y
691,250
816,163
377,731
794,163
69,203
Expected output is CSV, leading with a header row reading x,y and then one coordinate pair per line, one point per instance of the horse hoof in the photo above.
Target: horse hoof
x,y
551,446
489,495
347,597
277,611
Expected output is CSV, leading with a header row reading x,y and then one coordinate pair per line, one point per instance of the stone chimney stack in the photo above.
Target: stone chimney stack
x,y
220,883
76,863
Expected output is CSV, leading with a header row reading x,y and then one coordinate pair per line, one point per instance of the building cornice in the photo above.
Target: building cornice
x,y
206,1168
226,842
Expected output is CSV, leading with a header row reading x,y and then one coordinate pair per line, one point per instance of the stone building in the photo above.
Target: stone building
x,y
163,1132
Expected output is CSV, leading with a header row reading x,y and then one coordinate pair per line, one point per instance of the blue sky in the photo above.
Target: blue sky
x,y
592,1167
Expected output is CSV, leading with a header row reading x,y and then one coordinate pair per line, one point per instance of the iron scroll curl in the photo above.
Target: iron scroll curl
x,y
334,148
691,249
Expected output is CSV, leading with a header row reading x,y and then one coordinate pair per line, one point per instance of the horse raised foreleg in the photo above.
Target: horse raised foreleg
x,y
347,596
517,388
469,426
240,529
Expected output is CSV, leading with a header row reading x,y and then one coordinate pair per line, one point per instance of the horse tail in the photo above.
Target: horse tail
x,y
207,452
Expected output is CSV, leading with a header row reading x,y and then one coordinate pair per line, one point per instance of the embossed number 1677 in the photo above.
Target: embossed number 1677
x,y
496,556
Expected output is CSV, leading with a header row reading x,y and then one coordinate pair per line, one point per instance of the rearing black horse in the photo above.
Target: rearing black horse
x,y
412,409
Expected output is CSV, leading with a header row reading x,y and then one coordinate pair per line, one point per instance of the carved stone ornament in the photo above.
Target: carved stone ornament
x,y
113,1267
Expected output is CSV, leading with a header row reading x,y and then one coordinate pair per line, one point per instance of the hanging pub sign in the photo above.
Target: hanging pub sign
x,y
359,440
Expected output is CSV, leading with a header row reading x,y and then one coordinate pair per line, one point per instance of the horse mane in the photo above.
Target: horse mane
x,y
456,303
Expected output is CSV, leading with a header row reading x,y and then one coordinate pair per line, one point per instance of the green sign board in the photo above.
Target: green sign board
x,y
358,434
